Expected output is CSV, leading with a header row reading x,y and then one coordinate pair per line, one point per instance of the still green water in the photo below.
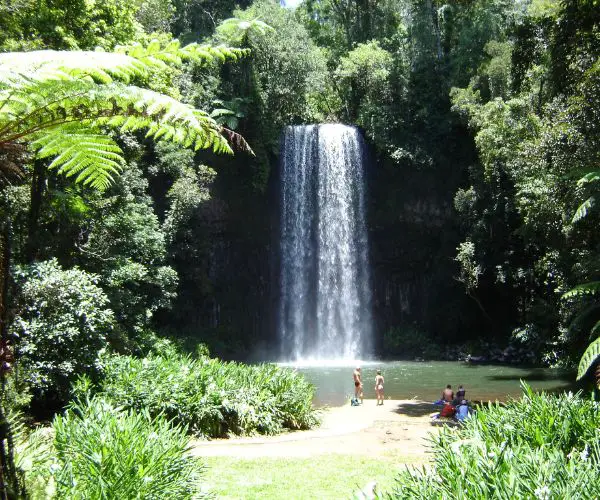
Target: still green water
x,y
425,380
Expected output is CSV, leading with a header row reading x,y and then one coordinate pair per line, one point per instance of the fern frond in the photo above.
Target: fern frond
x,y
172,54
585,289
592,176
590,356
583,209
91,156
585,317
61,103
126,63
237,29
102,67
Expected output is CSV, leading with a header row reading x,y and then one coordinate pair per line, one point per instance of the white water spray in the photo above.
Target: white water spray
x,y
325,309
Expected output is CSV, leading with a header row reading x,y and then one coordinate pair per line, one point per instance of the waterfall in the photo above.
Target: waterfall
x,y
325,308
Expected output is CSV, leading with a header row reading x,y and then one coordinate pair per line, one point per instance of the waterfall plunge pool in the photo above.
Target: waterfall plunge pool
x,y
425,380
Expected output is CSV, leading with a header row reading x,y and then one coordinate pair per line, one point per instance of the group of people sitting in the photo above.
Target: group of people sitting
x,y
453,406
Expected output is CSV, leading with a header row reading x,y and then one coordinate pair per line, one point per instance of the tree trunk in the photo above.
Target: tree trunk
x,y
436,28
9,483
38,186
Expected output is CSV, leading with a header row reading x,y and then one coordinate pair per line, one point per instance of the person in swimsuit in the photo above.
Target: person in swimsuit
x,y
448,394
358,392
379,387
460,394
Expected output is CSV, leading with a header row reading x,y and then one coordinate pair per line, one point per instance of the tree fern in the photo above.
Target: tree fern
x,y
60,104
91,156
590,356
126,63
583,209
585,289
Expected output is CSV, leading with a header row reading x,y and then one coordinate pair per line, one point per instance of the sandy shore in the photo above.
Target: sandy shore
x,y
398,428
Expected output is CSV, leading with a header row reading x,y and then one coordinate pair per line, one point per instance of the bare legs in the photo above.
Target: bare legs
x,y
358,392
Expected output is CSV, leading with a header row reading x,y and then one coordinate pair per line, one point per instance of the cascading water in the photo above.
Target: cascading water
x,y
325,309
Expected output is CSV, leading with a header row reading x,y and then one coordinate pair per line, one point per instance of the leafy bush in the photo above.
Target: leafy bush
x,y
408,341
61,326
209,396
33,456
103,452
542,446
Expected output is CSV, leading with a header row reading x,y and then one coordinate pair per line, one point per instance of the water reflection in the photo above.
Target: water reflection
x,y
425,380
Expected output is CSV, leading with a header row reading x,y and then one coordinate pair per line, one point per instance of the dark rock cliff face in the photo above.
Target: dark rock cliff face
x,y
413,239
229,271
225,262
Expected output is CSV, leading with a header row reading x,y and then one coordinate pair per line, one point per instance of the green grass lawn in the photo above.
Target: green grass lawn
x,y
324,476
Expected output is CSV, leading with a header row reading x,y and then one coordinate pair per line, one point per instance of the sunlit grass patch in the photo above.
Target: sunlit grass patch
x,y
323,476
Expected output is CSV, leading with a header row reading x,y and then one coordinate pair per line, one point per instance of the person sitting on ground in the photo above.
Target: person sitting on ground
x,y
460,394
379,387
462,410
448,394
358,392
448,411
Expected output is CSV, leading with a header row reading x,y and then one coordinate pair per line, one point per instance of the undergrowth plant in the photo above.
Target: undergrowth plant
x,y
210,397
542,446
104,452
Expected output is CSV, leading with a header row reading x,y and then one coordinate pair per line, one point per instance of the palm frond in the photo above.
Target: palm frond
x,y
590,356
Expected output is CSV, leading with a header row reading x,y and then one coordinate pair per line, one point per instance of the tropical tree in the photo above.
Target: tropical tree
x,y
60,105
67,107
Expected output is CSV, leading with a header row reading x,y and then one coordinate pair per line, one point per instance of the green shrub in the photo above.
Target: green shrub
x,y
541,446
61,326
33,456
209,396
104,452
407,341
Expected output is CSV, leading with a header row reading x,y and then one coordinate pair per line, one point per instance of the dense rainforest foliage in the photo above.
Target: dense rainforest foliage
x,y
482,118
129,235
482,122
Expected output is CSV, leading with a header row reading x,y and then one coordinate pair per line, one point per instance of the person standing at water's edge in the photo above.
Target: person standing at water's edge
x,y
358,392
379,387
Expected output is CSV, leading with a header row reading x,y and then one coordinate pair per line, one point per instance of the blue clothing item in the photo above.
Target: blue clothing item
x,y
462,412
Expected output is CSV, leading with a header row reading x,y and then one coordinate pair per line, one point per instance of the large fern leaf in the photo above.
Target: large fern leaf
x,y
81,152
585,289
103,67
590,356
61,103
43,64
593,176
583,209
